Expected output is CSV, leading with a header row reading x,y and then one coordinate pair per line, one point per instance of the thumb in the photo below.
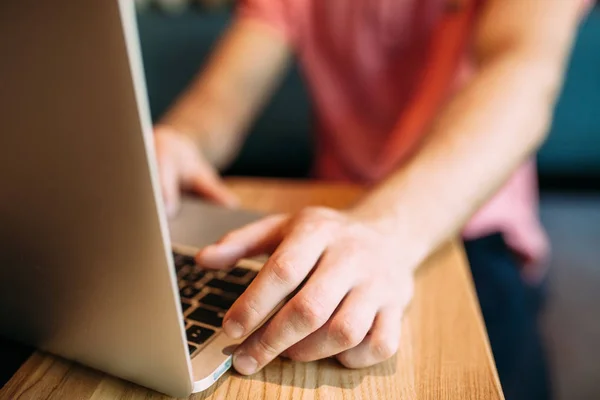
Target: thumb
x,y
210,185
260,237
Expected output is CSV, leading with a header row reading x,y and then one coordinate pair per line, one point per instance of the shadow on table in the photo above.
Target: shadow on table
x,y
12,356
307,376
318,374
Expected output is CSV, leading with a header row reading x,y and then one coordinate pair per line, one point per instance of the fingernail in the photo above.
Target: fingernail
x,y
233,329
245,364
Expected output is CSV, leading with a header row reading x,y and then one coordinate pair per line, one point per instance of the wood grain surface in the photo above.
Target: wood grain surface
x,y
444,351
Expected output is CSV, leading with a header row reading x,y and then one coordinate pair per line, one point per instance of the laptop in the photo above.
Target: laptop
x,y
90,267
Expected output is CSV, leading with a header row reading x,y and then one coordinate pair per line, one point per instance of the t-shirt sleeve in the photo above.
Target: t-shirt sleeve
x,y
276,14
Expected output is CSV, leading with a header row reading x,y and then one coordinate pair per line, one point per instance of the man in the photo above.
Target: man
x,y
439,105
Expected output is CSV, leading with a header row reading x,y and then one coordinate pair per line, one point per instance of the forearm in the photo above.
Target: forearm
x,y
207,113
485,133
218,107
202,119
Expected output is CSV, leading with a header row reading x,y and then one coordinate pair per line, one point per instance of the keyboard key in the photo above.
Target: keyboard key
x,y
198,335
214,300
238,272
194,275
185,307
192,348
178,261
177,258
228,287
189,292
206,316
181,260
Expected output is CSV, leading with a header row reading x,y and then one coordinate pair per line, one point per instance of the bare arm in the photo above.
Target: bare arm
x,y
489,129
204,130
354,269
240,76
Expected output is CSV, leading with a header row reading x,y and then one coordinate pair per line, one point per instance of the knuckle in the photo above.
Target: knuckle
x,y
264,351
384,348
305,214
277,218
312,211
282,270
310,312
296,355
346,333
347,361
247,314
316,215
316,221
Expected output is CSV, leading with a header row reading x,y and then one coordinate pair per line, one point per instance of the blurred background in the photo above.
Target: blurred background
x,y
176,37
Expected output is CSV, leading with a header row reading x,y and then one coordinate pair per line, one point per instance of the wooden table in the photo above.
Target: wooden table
x,y
444,352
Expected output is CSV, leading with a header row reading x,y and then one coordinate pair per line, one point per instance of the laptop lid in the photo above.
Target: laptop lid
x,y
85,264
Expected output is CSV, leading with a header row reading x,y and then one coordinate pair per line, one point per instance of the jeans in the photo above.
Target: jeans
x,y
510,308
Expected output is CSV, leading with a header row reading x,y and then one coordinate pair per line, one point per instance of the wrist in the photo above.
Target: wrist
x,y
180,130
179,123
401,229
215,147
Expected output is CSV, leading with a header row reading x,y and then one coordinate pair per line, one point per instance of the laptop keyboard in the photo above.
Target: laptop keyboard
x,y
206,296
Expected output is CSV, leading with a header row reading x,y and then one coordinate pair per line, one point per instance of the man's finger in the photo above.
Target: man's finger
x,y
261,237
285,270
380,344
213,188
346,329
304,314
202,177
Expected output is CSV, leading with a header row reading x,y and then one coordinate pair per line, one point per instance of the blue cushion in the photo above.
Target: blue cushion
x,y
573,147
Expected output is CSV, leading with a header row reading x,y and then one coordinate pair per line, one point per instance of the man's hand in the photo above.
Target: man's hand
x,y
216,110
182,166
353,279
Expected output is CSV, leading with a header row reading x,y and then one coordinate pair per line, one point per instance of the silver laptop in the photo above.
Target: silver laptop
x,y
87,268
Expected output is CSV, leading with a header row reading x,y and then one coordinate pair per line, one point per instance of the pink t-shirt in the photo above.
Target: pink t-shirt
x,y
378,72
